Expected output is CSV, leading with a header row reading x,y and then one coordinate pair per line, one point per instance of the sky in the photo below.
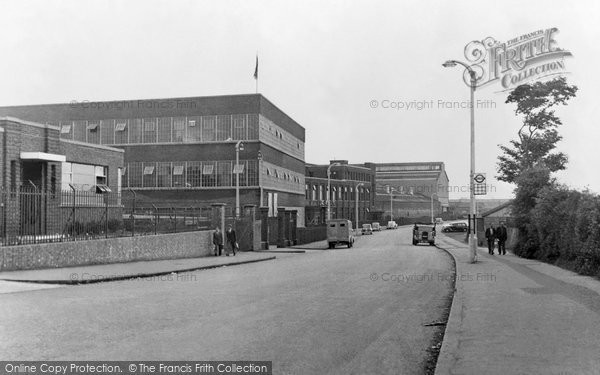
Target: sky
x,y
333,66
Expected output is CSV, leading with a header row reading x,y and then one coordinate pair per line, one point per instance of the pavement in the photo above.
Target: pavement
x,y
122,271
512,315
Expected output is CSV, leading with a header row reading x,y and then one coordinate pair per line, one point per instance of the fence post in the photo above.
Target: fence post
x,y
106,213
133,213
175,218
156,217
73,213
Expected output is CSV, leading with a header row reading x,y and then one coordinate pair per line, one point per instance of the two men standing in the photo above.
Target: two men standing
x,y
218,242
499,233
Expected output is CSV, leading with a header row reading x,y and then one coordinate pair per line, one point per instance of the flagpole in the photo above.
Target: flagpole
x,y
256,72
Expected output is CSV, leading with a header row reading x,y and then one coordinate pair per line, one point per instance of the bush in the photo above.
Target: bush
x,y
567,226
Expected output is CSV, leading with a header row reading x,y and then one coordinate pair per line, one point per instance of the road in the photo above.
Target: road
x,y
359,310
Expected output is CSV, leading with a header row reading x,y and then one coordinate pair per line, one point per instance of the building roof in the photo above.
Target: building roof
x,y
161,107
496,209
410,170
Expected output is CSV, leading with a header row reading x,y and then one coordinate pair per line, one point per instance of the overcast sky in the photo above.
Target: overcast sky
x,y
321,62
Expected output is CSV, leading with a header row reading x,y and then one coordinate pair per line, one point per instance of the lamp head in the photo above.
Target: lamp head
x,y
449,64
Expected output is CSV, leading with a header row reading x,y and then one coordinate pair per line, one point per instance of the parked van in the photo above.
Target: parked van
x,y
424,233
339,231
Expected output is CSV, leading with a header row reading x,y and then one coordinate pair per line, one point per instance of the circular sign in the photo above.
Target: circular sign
x,y
479,178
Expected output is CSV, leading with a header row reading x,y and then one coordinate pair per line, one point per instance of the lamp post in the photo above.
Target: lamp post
x,y
432,206
473,234
236,170
357,186
329,189
391,191
260,185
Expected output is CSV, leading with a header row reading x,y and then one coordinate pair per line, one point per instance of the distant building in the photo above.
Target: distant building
x,y
345,180
411,188
180,152
460,208
36,166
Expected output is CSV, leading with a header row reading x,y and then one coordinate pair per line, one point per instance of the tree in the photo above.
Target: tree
x,y
538,135
530,183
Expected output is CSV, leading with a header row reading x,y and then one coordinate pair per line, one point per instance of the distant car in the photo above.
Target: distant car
x,y
424,233
376,227
392,225
439,220
455,227
339,231
367,229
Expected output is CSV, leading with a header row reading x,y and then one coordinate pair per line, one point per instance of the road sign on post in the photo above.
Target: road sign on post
x,y
479,184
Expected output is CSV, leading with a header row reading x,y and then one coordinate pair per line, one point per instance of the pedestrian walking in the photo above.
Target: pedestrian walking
x,y
502,235
218,241
231,240
490,234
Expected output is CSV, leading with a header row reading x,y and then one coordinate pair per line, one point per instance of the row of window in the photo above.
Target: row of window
x,y
274,172
189,174
344,193
162,129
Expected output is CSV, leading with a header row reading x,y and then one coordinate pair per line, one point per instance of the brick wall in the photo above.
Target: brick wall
x,y
105,251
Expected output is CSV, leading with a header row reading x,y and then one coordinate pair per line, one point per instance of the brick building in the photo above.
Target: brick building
x,y
36,166
345,180
181,152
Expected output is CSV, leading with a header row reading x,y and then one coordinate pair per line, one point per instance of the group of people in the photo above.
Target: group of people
x,y
492,234
230,241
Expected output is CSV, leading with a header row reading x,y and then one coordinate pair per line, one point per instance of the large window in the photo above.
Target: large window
x,y
208,129
223,128
135,130
121,132
178,129
107,132
149,130
79,131
194,128
164,129
83,177
189,174
164,174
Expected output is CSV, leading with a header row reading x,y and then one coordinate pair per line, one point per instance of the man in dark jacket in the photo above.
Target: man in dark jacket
x,y
502,235
218,241
490,234
231,240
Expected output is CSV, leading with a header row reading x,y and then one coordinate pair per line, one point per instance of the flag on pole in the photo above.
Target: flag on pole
x,y
256,69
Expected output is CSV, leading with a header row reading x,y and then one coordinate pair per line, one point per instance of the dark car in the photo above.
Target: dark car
x,y
456,227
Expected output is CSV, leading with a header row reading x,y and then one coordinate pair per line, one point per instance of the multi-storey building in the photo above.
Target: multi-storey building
x,y
409,189
349,184
182,151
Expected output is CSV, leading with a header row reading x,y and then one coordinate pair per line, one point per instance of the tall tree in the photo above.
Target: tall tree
x,y
538,135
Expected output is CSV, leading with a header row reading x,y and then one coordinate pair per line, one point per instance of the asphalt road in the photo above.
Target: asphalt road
x,y
359,310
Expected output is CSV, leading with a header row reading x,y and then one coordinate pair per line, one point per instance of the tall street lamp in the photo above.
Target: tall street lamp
x,y
432,206
391,190
329,189
357,186
236,170
473,234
